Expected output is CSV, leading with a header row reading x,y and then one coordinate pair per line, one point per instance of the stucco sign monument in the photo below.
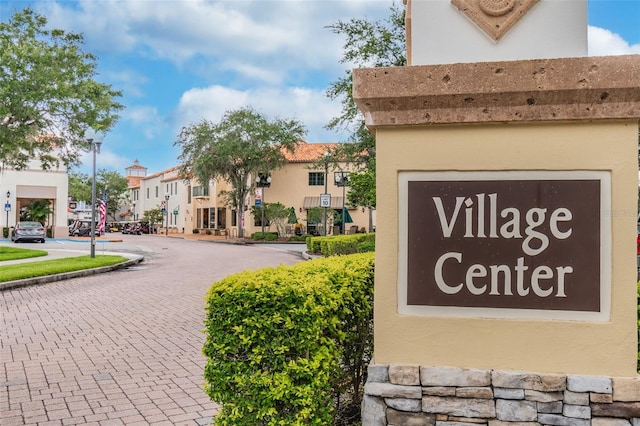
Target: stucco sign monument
x,y
507,185
505,244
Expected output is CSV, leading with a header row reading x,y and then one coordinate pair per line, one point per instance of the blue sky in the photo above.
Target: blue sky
x,y
179,61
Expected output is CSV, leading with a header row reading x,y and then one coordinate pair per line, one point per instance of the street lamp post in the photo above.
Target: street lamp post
x,y
263,181
95,143
326,176
166,212
7,208
341,179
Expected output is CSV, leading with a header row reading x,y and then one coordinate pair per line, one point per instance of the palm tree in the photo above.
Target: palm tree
x,y
37,211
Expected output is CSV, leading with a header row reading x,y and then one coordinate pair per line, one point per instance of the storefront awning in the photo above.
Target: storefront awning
x,y
311,202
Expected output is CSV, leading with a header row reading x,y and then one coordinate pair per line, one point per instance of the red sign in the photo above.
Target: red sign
x,y
519,244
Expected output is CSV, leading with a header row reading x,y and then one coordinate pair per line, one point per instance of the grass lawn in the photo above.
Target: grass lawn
x,y
56,266
13,253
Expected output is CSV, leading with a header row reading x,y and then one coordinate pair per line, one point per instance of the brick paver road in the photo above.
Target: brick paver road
x,y
121,348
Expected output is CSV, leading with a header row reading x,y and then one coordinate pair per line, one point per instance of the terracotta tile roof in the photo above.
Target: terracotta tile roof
x,y
164,172
308,152
136,165
134,181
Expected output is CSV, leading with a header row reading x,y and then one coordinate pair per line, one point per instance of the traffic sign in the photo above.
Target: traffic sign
x,y
7,207
325,200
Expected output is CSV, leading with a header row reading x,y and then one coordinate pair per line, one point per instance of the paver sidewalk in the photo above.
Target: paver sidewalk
x,y
121,348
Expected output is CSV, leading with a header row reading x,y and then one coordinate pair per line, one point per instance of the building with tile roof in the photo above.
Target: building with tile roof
x,y
298,186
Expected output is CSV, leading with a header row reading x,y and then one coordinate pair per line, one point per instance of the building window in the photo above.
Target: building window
x,y
188,194
316,178
156,192
222,218
234,218
200,191
147,193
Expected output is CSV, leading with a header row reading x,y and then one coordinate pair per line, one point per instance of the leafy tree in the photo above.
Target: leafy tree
x,y
277,214
36,211
79,186
153,216
314,215
362,191
368,44
274,214
116,187
243,144
115,184
49,97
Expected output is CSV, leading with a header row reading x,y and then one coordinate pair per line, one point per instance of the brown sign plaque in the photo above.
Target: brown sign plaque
x,y
505,244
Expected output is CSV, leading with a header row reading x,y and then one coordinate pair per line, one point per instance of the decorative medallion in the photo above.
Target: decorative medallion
x,y
494,17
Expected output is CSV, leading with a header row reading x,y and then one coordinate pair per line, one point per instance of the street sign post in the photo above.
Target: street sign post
x,y
325,200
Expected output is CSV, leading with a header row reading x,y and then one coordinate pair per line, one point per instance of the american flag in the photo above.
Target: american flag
x,y
102,210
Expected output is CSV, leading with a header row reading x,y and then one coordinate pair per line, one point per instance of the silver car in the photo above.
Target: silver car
x,y
28,231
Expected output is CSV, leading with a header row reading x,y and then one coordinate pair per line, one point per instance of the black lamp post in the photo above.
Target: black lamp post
x,y
263,181
95,143
166,212
7,207
325,159
342,179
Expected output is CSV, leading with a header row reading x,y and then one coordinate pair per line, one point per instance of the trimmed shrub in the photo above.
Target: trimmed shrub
x,y
299,237
341,244
269,236
282,343
5,232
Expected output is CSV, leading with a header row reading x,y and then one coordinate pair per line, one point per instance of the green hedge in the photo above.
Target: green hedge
x,y
341,244
282,343
269,236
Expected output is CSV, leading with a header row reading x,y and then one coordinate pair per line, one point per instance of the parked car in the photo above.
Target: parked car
x,y
81,228
136,228
28,231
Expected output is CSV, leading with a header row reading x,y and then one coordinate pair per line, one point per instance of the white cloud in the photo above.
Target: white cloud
x,y
128,81
603,42
310,107
106,159
147,118
276,36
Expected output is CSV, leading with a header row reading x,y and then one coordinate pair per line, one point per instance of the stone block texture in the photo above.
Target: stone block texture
x,y
450,396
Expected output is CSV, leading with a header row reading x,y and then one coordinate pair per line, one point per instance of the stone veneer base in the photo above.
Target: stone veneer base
x,y
411,395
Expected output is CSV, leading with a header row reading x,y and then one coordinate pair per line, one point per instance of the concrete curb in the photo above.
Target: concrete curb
x,y
133,260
